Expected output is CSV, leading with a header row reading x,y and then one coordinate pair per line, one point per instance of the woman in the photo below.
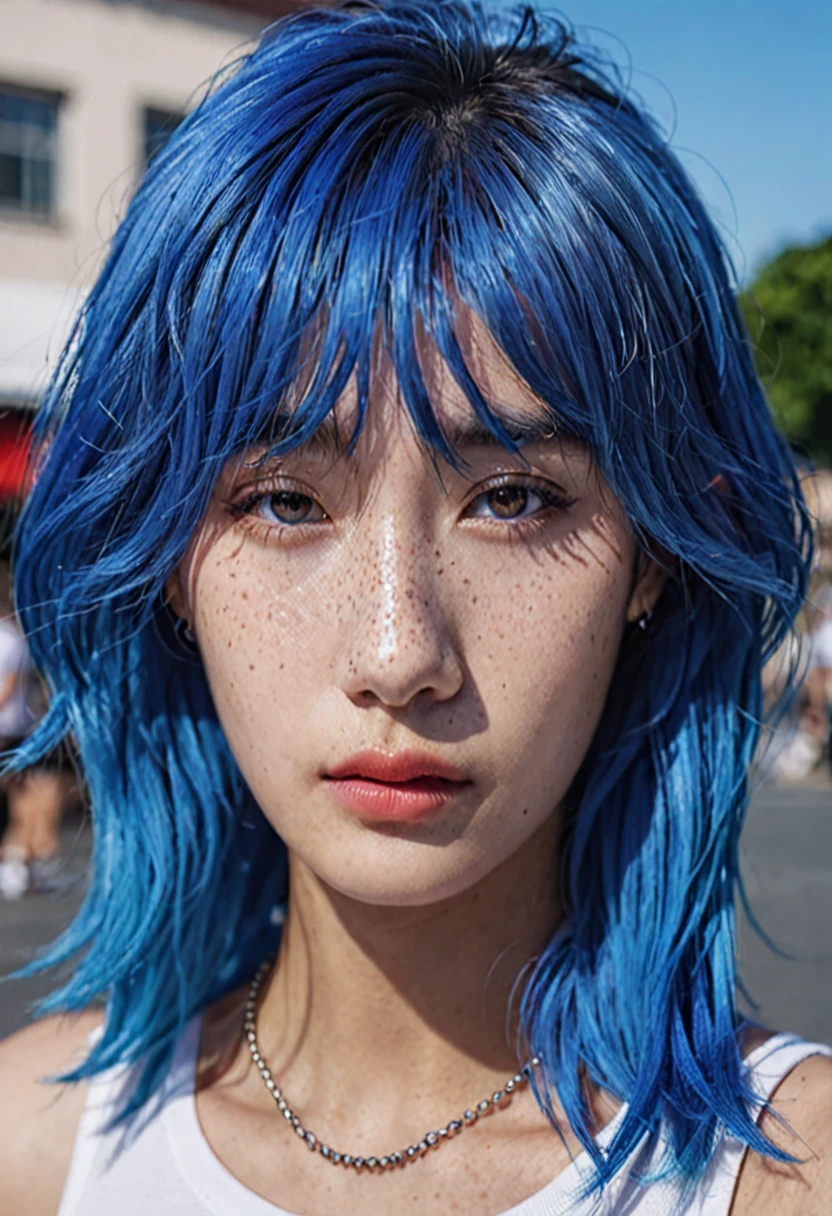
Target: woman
x,y
408,536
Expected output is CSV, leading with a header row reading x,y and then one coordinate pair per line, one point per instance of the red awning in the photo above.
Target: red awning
x,y
14,453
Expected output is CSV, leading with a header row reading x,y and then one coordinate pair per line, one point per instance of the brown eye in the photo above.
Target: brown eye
x,y
508,501
288,506
284,508
517,501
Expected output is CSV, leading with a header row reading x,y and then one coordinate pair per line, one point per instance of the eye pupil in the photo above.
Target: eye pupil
x,y
289,502
508,500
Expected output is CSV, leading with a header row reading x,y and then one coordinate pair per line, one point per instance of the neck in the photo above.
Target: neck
x,y
391,1001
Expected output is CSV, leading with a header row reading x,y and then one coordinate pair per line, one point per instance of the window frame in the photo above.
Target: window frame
x,y
24,212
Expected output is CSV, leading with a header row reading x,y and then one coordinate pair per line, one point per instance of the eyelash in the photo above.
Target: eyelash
x,y
551,500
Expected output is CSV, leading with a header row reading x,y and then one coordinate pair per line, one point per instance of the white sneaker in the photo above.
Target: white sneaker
x,y
14,874
797,759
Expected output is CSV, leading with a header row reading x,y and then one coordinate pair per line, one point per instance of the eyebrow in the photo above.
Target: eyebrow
x,y
327,440
473,433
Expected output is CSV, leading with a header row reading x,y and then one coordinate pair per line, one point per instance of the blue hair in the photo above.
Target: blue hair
x,y
368,169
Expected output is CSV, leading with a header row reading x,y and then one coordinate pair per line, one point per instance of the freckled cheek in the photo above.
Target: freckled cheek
x,y
545,651
261,642
583,657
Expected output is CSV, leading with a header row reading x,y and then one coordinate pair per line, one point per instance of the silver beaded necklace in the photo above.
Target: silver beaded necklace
x,y
497,1101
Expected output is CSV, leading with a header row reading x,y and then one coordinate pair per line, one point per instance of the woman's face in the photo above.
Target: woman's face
x,y
350,603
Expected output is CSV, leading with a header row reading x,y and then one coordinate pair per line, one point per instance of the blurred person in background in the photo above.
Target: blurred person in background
x,y
802,741
817,715
30,844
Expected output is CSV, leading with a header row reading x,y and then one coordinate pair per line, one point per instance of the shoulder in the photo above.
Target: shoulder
x,y
804,1099
39,1120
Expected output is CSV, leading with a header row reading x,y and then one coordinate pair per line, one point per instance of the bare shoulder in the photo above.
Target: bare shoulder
x,y
804,1099
38,1120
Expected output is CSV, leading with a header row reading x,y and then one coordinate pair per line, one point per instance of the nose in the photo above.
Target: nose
x,y
400,642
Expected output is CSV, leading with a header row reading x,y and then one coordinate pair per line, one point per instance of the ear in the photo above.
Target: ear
x,y
650,580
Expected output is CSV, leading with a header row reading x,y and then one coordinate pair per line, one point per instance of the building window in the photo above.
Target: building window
x,y
159,125
28,151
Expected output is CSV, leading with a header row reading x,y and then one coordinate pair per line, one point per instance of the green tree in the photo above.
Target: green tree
x,y
788,311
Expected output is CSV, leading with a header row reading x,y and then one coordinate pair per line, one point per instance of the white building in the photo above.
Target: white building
x,y
88,88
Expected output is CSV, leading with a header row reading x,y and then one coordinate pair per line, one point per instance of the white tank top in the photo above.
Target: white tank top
x,y
167,1166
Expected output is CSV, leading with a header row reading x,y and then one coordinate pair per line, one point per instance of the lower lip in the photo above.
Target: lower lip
x,y
401,801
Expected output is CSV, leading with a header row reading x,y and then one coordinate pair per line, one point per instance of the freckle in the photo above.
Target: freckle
x,y
251,667
474,600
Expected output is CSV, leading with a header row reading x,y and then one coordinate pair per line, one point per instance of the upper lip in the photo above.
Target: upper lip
x,y
394,767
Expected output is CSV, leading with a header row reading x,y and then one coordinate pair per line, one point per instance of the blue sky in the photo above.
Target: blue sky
x,y
750,83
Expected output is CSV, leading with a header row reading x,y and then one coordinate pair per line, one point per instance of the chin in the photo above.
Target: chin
x,y
411,891
390,866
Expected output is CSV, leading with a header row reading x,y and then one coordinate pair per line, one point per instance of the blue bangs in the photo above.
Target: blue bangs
x,y
368,173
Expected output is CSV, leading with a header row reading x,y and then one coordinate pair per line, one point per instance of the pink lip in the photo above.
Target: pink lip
x,y
404,787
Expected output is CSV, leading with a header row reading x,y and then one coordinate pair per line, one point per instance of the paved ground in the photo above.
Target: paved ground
x,y
786,859
787,862
28,924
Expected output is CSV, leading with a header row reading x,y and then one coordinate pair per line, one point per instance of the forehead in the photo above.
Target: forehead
x,y
525,417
